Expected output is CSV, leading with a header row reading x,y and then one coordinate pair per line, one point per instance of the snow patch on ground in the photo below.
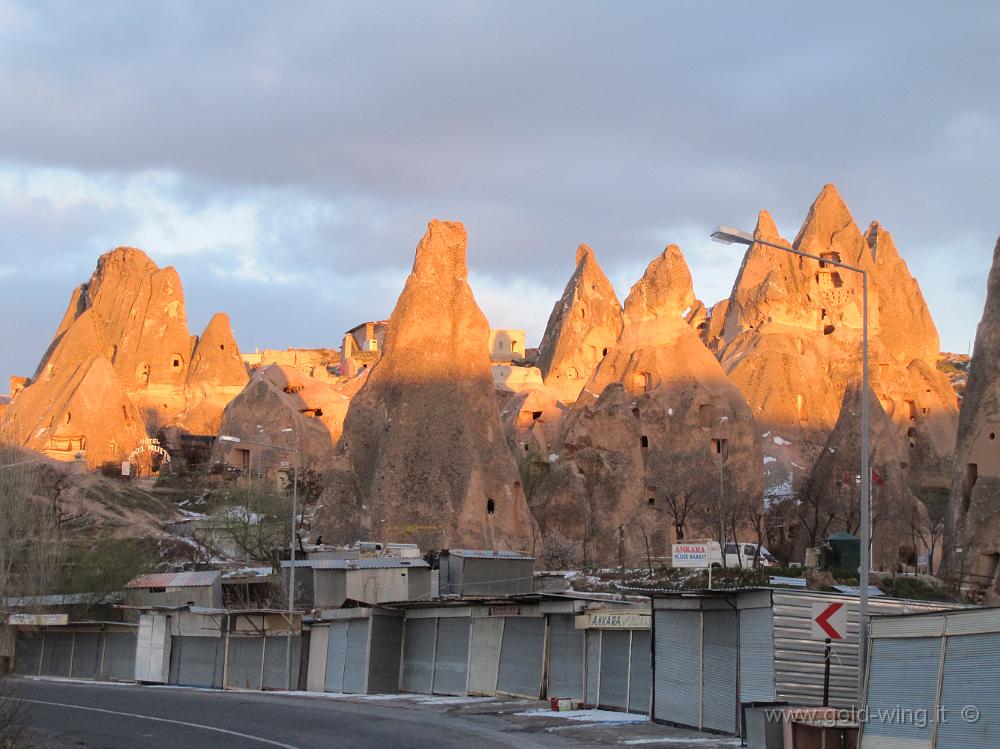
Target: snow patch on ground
x,y
769,459
685,741
587,716
781,441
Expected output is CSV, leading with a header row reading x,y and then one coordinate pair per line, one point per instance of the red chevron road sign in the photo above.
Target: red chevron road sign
x,y
829,620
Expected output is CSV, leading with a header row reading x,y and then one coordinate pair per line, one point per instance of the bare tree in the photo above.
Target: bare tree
x,y
682,507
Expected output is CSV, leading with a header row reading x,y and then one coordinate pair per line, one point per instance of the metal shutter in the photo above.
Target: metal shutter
x,y
56,655
383,655
593,683
720,651
615,659
522,657
336,655
971,676
119,656
565,657
640,673
902,682
487,635
196,661
451,659
677,652
28,652
356,662
275,674
756,655
245,662
86,655
418,655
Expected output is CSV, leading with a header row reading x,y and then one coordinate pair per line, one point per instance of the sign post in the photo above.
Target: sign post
x,y
829,623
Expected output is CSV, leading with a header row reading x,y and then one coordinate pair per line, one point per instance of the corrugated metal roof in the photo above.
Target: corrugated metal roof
x,y
375,563
488,554
175,580
855,590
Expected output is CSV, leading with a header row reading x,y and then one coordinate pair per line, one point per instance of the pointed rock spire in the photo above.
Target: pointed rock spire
x,y
584,323
423,455
645,436
217,375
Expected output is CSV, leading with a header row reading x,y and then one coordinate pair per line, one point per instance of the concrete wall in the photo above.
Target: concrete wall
x,y
209,596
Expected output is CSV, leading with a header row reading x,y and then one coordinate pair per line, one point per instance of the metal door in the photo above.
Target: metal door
x,y
119,656
720,651
418,655
336,656
615,660
566,651
245,663
487,636
451,659
593,675
522,656
902,689
383,655
640,674
86,655
356,662
57,653
28,652
756,655
677,653
275,665
197,661
970,679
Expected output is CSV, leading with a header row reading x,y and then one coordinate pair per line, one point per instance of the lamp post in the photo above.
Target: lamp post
x,y
729,235
291,569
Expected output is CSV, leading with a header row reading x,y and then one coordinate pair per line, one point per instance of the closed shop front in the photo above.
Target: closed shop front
x,y
932,681
616,658
103,652
197,661
419,640
566,657
336,655
522,657
715,650
451,660
484,655
357,653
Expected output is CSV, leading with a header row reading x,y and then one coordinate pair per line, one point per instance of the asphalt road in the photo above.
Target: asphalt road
x,y
105,716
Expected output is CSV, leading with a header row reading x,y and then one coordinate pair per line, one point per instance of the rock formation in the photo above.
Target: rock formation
x,y
283,406
130,315
831,499
791,342
423,456
584,324
660,441
217,375
972,538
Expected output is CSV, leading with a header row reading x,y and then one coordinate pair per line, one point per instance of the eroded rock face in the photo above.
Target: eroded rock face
x,y
900,527
423,457
281,405
217,375
656,431
129,315
791,342
974,512
584,324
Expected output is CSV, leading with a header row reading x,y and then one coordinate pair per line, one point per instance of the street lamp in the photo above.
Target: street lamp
x,y
729,235
291,569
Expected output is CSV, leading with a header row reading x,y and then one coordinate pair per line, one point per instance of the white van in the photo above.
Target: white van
x,y
741,555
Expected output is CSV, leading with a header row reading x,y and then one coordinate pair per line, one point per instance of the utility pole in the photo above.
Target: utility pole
x,y
621,559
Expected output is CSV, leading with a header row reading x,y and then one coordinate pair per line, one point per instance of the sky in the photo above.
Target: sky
x,y
286,157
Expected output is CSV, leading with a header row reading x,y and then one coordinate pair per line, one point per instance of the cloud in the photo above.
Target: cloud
x,y
297,152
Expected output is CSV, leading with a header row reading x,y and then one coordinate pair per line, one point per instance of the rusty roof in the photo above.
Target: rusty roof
x,y
175,580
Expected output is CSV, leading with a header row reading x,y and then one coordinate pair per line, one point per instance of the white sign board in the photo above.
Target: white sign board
x,y
829,620
690,555
613,620
126,468
39,620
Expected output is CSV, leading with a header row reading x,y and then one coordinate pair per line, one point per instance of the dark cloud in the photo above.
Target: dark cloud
x,y
340,129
